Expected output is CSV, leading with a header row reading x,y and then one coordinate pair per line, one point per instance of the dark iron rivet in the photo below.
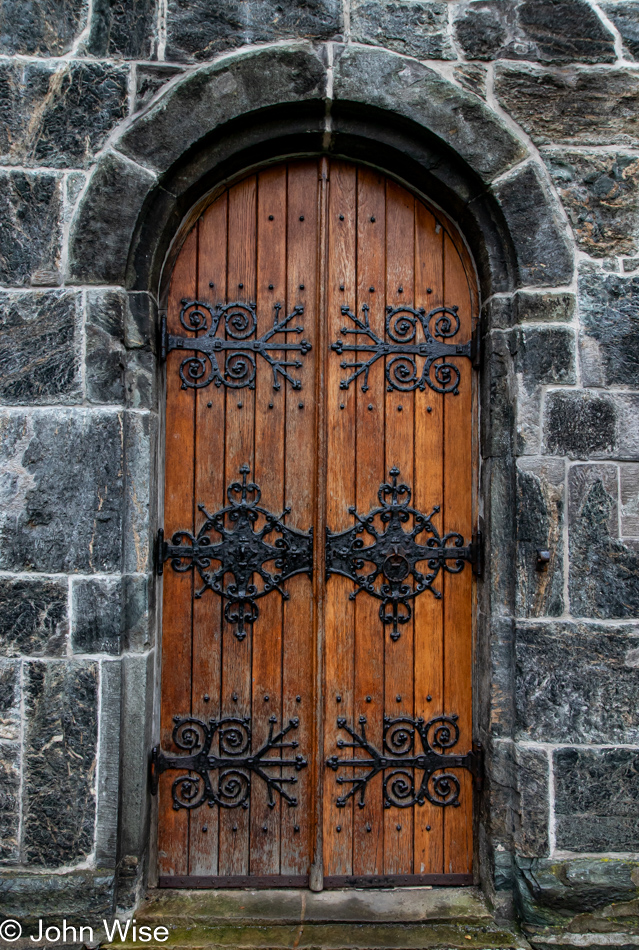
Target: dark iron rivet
x,y
234,697
400,290
184,300
399,827
234,827
341,217
371,290
270,286
270,217
270,405
338,698
368,699
264,827
296,827
339,828
428,699
429,408
206,697
429,290
370,407
205,828
373,218
266,698
398,698
239,405
368,826
300,405
301,286
301,217
427,827
399,408
209,404
298,699
341,405
341,286
240,286
211,284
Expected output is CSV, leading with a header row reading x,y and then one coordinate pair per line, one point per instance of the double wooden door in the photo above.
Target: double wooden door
x,y
316,714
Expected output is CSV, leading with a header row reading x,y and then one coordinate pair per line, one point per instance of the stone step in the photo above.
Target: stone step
x,y
400,919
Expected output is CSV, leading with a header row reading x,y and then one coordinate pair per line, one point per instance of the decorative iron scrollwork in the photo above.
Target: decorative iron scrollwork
x,y
235,763
399,761
237,343
242,552
395,553
402,372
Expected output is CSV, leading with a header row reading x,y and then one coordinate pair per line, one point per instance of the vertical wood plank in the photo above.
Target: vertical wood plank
x,y
301,479
429,491
340,493
177,592
209,491
239,450
368,822
458,822
400,414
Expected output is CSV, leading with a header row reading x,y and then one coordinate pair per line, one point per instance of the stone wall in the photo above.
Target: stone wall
x,y
539,101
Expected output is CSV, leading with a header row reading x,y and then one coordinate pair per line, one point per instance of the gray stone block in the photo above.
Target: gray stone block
x,y
544,31
546,355
138,619
40,27
519,783
140,380
61,709
386,80
10,699
591,698
604,572
498,400
102,228
108,774
542,307
77,896
136,738
60,115
600,194
418,28
40,345
629,498
149,79
140,322
105,356
196,30
597,799
580,425
30,228
625,16
627,409
572,106
9,802
140,442
97,615
33,616
540,524
500,681
126,30
61,505
472,76
544,255
609,336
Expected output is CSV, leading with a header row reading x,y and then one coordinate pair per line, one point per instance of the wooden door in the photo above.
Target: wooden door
x,y
316,714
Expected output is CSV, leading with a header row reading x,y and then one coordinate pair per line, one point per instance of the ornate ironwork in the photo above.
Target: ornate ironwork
x,y
242,552
399,761
401,370
235,763
238,344
395,553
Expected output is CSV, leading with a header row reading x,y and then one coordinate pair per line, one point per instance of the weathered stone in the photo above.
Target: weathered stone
x,y
30,228
629,498
418,28
40,27
33,616
540,522
196,30
140,379
97,615
386,80
498,396
627,409
59,115
625,16
592,698
140,321
545,31
105,357
61,499
604,572
543,252
519,783
600,194
578,107
10,698
550,889
150,78
473,77
579,425
124,30
77,895
61,708
40,347
498,312
102,229
137,717
499,682
545,307
9,802
106,825
138,599
546,355
597,799
75,182
140,446
609,337
501,532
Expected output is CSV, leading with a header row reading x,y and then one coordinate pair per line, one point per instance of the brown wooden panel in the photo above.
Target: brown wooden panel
x,y
173,843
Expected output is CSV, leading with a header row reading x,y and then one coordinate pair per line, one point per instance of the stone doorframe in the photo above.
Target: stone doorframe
x,y
368,105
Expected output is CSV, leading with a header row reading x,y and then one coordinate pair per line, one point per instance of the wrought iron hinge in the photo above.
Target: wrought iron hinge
x,y
476,762
475,347
477,554
164,338
160,552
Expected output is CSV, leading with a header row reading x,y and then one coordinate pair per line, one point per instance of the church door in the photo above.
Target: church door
x,y
318,547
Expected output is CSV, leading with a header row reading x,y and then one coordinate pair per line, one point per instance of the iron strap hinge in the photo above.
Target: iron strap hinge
x,y
476,765
160,552
164,339
477,554
475,347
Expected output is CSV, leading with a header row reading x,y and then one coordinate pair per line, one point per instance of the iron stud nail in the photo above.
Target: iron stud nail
x,y
371,290
301,217
341,405
341,286
429,408
239,405
301,405
240,286
270,286
234,697
270,217
370,407
270,405
368,699
206,697
373,218
211,284
205,828
428,699
264,827
398,698
399,408
399,827
341,217
339,828
338,698
209,404
234,827
296,827
429,290
298,699
368,826
400,290
427,827
266,698
301,286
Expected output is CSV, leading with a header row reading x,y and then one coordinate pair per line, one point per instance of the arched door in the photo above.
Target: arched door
x,y
317,558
